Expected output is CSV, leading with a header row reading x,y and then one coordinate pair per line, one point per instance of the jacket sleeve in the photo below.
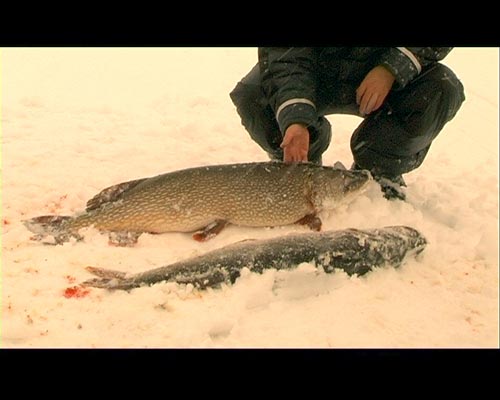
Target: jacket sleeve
x,y
406,63
288,81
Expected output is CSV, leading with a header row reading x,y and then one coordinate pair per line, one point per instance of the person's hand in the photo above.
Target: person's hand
x,y
295,143
372,92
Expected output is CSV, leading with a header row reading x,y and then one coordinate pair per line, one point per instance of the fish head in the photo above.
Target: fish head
x,y
335,185
414,241
354,182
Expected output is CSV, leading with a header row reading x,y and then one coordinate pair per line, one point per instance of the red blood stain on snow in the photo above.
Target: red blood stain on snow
x,y
76,292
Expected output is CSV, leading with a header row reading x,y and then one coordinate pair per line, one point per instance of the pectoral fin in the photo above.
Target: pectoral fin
x,y
312,221
123,239
210,231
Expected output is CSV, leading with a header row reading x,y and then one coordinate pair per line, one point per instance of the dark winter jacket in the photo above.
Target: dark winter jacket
x,y
291,77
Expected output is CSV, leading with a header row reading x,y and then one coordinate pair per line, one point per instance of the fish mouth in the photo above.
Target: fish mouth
x,y
413,236
357,180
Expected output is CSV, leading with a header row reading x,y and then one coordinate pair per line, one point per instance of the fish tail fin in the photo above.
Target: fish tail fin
x,y
50,225
107,278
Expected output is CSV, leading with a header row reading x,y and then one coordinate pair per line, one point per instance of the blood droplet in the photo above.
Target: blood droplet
x,y
76,291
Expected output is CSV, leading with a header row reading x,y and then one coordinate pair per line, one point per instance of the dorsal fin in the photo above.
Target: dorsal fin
x,y
111,194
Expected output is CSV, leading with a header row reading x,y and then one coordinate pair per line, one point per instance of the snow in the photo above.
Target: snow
x,y
77,120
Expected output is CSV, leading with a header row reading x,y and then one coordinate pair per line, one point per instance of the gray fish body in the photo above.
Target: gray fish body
x,y
252,194
353,251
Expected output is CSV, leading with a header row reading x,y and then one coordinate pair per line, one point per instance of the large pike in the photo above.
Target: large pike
x,y
351,250
205,199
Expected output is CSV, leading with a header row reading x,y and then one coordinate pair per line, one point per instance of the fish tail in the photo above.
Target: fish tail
x,y
107,279
50,225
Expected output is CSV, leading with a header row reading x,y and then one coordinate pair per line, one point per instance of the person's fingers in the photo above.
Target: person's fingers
x,y
373,90
286,155
295,153
364,102
295,144
370,104
362,106
286,141
378,103
360,92
291,156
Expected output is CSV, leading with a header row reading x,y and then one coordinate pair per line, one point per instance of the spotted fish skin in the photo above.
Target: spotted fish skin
x,y
354,251
248,194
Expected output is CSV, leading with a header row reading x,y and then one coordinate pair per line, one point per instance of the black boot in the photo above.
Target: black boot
x,y
392,187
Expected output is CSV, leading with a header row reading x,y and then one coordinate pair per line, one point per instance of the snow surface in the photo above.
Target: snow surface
x,y
76,120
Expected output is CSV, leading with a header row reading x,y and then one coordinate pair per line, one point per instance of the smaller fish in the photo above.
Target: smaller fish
x,y
354,251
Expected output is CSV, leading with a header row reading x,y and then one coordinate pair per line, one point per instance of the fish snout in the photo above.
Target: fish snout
x,y
412,236
356,180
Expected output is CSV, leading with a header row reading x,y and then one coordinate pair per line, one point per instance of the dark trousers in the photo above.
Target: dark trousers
x,y
389,142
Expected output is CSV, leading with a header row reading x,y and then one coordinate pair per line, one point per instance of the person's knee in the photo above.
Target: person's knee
x,y
446,89
256,114
453,93
241,95
247,91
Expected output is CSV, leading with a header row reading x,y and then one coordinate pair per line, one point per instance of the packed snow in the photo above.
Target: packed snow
x,y
77,120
